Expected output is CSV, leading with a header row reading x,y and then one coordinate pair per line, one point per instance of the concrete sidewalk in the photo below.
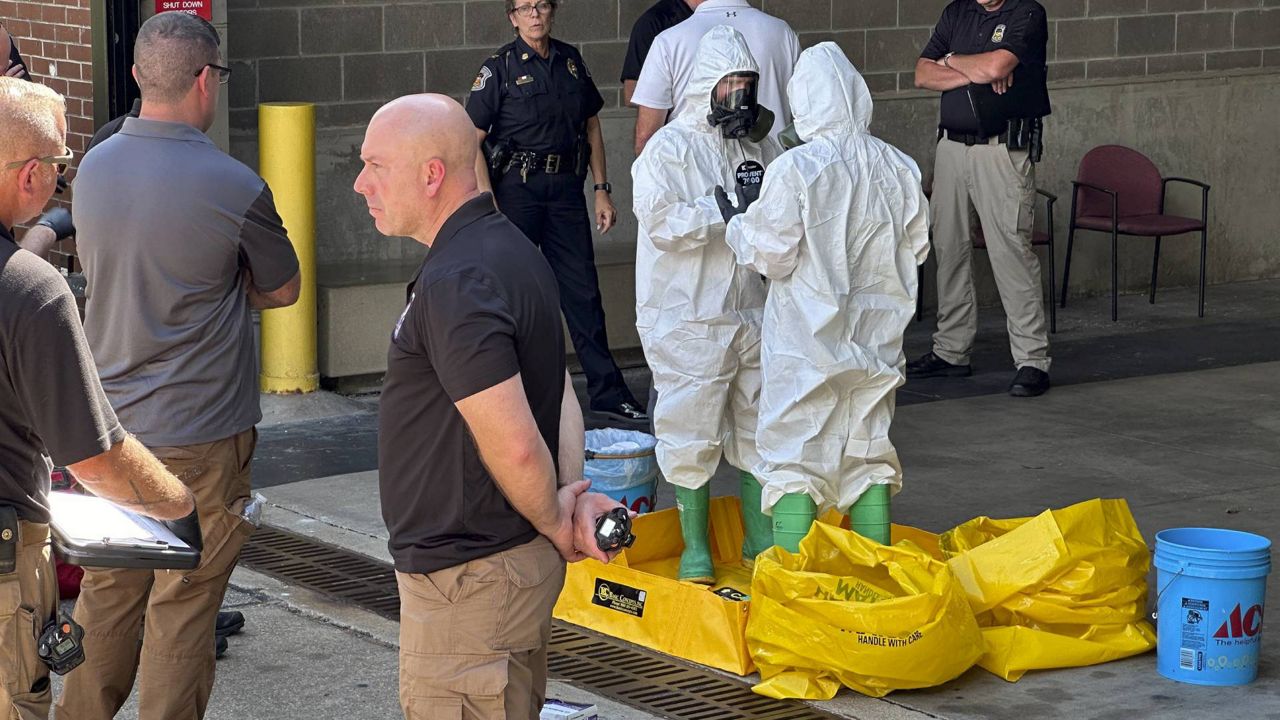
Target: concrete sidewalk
x,y
1194,448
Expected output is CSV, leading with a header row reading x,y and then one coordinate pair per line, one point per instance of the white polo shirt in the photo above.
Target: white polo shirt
x,y
669,65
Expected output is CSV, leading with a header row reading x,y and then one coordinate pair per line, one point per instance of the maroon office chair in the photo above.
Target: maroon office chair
x,y
1118,190
1038,237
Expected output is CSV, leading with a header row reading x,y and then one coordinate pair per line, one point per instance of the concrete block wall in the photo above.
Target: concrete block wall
x,y
348,56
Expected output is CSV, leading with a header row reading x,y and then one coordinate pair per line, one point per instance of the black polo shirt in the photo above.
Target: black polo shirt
x,y
660,16
483,307
51,403
1019,26
535,104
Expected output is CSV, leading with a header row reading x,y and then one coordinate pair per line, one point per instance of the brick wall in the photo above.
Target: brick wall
x,y
54,38
349,58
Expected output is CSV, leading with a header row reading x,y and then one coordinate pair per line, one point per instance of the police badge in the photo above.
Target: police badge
x,y
573,68
998,35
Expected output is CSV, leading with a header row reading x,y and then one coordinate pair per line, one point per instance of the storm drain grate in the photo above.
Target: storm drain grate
x,y
340,574
631,675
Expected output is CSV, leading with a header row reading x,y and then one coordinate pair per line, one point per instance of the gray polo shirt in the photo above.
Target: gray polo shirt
x,y
167,227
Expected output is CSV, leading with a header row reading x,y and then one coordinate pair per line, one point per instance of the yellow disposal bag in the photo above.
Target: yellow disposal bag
x,y
1065,588
638,599
849,611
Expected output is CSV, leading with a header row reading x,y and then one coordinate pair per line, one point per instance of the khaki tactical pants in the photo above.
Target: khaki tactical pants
x,y
1000,184
159,624
473,638
28,597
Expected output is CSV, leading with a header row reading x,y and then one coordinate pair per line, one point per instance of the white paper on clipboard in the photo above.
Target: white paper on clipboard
x,y
89,519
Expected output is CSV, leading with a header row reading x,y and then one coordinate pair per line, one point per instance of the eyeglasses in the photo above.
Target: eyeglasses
x,y
57,161
543,8
224,73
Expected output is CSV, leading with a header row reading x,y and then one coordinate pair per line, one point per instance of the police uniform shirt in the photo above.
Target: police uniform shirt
x,y
660,16
483,307
1019,26
51,403
534,104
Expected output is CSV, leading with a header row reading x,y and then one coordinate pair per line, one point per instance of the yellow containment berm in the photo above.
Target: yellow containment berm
x,y
1065,588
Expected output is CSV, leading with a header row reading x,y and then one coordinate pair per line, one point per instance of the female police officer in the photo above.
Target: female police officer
x,y
534,105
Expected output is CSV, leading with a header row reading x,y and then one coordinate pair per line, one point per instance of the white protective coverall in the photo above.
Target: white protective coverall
x,y
840,226
698,311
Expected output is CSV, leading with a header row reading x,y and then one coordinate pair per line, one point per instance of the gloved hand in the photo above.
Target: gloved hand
x,y
747,194
187,529
59,221
727,209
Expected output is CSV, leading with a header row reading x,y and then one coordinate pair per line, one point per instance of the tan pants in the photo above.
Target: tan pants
x,y
174,652
473,638
1000,184
28,598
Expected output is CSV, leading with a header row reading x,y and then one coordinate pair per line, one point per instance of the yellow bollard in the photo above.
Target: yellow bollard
x,y
287,161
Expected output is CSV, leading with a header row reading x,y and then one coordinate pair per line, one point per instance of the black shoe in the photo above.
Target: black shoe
x,y
228,623
930,365
1029,382
626,412
220,645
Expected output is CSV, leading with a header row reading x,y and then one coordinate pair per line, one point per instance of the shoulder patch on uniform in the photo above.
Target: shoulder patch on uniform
x,y
482,78
998,35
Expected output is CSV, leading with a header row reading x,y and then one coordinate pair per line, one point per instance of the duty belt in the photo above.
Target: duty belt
x,y
527,160
953,136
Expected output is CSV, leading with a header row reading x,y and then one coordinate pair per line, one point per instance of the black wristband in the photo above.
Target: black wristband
x,y
605,187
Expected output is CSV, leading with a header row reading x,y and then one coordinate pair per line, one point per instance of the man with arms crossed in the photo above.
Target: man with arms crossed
x,y
1000,43
178,241
480,437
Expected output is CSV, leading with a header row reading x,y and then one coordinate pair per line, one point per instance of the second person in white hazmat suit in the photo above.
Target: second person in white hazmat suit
x,y
697,311
839,229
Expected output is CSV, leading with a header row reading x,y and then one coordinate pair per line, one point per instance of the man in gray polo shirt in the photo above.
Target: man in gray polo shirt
x,y
178,242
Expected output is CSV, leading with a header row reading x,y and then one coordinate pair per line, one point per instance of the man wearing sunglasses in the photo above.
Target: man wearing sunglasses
x,y
178,242
52,408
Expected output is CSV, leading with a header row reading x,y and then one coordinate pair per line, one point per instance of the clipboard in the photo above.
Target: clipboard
x,y
92,532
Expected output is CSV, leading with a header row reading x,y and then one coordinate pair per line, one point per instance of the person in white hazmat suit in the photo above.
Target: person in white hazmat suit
x,y
839,229
698,312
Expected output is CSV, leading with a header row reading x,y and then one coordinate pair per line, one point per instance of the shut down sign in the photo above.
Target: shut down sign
x,y
203,8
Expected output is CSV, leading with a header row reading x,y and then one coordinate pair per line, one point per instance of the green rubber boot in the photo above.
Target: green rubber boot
x,y
869,516
695,561
758,527
793,515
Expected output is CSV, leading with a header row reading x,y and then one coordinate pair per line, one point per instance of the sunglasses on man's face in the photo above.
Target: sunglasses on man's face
x,y
57,161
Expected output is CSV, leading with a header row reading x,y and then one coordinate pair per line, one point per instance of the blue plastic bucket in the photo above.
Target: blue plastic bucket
x,y
623,465
1212,584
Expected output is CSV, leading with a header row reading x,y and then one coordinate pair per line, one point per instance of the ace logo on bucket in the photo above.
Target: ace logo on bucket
x,y
1241,626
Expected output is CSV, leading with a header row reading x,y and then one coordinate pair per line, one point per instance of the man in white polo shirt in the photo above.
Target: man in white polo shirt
x,y
669,65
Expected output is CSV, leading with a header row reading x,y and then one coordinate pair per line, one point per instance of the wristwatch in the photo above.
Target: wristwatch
x,y
605,187
947,57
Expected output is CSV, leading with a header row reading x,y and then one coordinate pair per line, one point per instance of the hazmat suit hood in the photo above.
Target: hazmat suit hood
x,y
828,96
721,52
